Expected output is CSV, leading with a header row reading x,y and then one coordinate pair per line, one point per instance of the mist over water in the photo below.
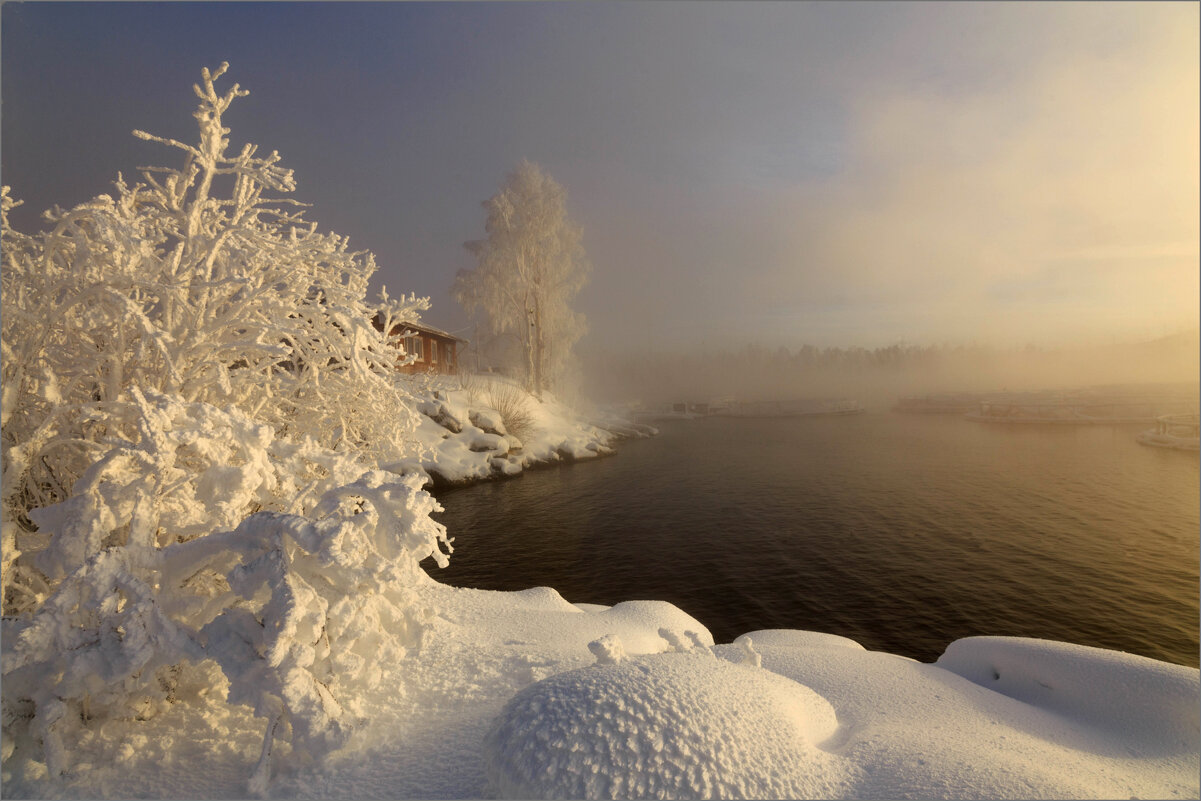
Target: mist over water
x,y
903,532
879,376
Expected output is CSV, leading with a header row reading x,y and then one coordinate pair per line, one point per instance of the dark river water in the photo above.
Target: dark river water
x,y
903,532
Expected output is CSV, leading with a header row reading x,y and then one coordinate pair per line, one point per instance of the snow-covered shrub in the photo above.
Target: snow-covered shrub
x,y
190,469
193,397
299,611
230,300
510,401
472,384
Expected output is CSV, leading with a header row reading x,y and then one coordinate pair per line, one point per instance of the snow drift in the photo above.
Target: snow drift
x,y
900,728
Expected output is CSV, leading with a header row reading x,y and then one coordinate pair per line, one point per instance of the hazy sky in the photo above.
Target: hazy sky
x,y
787,173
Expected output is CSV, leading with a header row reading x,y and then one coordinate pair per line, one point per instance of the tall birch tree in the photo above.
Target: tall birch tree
x,y
530,267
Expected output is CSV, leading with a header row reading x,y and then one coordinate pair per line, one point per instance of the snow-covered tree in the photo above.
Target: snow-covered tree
x,y
233,301
195,402
529,270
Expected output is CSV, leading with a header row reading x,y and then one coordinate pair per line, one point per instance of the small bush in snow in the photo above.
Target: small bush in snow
x,y
472,384
510,402
298,611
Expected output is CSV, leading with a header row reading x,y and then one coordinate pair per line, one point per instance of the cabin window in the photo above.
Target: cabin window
x,y
413,346
433,351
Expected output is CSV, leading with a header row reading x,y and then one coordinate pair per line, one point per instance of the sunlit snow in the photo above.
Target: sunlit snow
x,y
504,696
215,512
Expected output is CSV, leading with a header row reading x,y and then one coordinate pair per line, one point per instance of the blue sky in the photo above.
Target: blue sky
x,y
787,173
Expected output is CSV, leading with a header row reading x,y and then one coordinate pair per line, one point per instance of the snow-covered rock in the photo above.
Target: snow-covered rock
x,y
441,414
480,441
489,420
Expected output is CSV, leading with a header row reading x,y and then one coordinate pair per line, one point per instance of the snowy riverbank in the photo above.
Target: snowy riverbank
x,y
467,439
796,714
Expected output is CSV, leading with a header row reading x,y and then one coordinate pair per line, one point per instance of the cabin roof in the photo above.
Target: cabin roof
x,y
429,329
421,328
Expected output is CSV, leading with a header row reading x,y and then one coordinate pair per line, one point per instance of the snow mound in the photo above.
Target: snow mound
x,y
591,608
1157,700
639,623
791,638
675,725
951,730
544,599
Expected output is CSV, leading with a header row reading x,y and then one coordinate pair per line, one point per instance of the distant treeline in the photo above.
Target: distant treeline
x,y
874,375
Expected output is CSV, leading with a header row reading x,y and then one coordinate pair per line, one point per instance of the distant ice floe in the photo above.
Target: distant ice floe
x,y
1174,431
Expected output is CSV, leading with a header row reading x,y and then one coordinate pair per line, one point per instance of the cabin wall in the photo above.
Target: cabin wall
x,y
447,362
448,350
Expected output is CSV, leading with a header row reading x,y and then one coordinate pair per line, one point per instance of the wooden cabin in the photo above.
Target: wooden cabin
x,y
436,350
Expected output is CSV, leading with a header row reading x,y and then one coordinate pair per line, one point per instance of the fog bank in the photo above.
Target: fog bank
x,y
879,376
